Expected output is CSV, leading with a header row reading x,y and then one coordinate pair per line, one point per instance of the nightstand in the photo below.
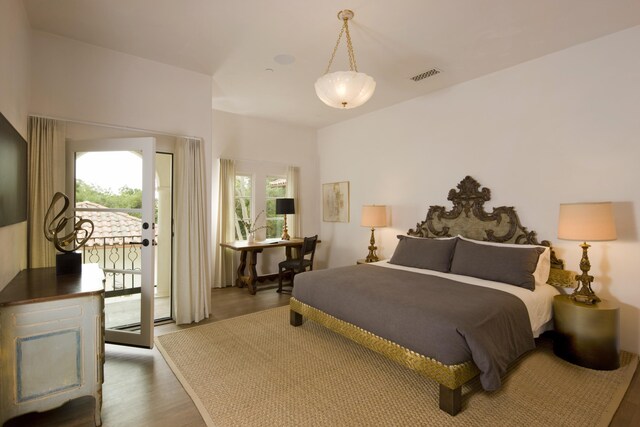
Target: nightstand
x,y
587,334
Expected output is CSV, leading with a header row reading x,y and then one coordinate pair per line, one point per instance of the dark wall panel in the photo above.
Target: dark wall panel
x,y
13,174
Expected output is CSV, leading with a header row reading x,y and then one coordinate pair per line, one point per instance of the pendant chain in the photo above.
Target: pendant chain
x,y
352,58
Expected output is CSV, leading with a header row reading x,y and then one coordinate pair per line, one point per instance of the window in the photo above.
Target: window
x,y
276,188
255,196
244,192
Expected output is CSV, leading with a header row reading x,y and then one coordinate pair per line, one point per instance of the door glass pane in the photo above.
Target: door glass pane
x,y
164,215
113,180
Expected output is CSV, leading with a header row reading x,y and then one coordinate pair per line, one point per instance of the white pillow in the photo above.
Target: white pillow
x,y
541,274
432,238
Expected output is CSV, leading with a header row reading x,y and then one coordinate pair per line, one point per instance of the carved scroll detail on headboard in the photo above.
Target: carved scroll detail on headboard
x,y
468,218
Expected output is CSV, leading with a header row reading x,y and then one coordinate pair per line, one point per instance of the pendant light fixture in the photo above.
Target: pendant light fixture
x,y
345,89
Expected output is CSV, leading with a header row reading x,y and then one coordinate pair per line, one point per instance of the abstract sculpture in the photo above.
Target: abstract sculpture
x,y
68,262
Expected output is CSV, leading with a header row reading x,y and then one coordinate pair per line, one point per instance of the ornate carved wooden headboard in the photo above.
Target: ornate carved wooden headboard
x,y
469,219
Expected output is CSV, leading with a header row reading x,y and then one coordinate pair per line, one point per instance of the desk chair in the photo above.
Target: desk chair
x,y
301,263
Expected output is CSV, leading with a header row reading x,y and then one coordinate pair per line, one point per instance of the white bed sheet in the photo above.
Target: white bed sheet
x,y
539,302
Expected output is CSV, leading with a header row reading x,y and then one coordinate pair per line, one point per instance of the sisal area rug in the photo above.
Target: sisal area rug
x,y
257,370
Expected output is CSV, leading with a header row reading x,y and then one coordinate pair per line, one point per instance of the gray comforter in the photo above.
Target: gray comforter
x,y
449,321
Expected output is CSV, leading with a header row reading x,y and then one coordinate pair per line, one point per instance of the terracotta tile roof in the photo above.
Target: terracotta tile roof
x,y
109,227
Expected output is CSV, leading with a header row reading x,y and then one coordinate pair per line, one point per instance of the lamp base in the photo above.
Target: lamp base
x,y
68,263
583,292
372,256
285,232
586,299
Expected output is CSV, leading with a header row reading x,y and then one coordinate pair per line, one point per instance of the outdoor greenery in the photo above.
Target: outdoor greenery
x,y
242,205
129,198
276,188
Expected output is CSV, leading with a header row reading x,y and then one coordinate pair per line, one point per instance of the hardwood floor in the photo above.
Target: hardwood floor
x,y
141,390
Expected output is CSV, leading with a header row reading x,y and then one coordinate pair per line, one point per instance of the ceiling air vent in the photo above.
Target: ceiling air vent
x,y
430,73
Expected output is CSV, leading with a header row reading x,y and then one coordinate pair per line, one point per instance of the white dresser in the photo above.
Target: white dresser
x,y
51,340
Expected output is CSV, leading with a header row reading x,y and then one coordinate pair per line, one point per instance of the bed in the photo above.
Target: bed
x,y
441,306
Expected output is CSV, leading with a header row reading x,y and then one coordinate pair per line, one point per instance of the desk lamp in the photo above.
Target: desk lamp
x,y
284,207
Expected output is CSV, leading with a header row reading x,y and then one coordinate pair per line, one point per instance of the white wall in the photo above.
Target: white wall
x,y
82,82
14,99
78,81
562,128
268,147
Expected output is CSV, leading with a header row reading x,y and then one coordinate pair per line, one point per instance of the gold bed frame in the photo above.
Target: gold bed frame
x,y
469,219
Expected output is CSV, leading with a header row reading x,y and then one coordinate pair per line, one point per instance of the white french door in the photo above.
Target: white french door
x,y
112,182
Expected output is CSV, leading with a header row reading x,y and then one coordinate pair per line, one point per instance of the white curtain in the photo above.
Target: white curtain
x,y
293,191
192,262
225,259
46,154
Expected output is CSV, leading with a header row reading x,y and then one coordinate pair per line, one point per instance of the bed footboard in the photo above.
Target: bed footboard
x,y
450,377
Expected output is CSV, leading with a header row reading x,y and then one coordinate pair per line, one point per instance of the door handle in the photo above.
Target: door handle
x,y
145,242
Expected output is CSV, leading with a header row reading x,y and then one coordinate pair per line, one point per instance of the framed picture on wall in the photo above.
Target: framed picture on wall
x,y
335,202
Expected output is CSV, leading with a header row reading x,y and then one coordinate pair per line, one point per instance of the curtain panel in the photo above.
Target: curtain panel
x,y
225,265
46,155
192,261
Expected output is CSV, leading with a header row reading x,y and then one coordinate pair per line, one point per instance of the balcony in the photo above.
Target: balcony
x,y
114,247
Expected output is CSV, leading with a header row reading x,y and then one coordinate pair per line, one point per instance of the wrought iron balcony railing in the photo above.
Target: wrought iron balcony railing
x,y
119,257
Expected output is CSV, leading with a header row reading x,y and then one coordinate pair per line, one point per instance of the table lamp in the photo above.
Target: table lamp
x,y
284,207
373,216
586,221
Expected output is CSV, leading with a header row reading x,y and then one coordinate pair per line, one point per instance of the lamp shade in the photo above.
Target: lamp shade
x,y
345,89
586,222
374,216
285,206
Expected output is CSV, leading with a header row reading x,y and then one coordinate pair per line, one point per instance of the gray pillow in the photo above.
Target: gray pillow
x,y
426,253
514,266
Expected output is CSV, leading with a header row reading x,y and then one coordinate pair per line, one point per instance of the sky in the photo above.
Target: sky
x,y
111,170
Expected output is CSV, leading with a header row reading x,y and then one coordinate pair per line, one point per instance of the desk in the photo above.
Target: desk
x,y
252,250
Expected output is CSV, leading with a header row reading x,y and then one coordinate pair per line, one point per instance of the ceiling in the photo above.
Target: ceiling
x,y
236,41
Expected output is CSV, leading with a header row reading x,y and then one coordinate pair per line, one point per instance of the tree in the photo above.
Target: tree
x,y
128,198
